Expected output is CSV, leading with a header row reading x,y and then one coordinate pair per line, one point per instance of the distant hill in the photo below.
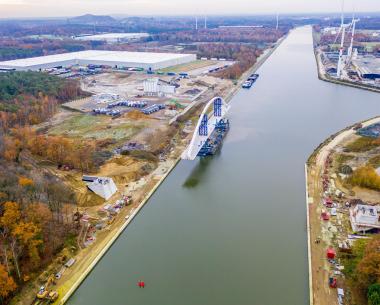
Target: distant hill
x,y
92,19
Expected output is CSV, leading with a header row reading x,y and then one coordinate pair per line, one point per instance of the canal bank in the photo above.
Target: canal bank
x,y
237,233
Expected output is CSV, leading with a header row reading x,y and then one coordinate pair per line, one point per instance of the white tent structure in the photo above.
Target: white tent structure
x,y
101,186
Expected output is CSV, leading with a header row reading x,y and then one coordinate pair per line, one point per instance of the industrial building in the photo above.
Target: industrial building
x,y
368,67
115,59
153,87
113,37
364,218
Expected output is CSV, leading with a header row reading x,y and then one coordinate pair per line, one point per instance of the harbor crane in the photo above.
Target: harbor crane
x,y
344,60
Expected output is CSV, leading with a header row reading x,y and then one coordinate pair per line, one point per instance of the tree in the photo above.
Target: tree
x,y
19,235
368,269
7,284
374,294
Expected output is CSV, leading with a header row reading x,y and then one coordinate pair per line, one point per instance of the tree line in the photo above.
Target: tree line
x,y
28,98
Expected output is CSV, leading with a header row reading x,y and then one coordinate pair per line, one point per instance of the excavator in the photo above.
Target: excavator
x,y
45,293
175,105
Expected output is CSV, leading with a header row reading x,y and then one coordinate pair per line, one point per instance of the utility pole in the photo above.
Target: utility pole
x,y
205,22
196,23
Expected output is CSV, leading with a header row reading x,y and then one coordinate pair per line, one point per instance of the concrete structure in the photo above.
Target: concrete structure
x,y
153,87
119,59
101,186
364,218
113,37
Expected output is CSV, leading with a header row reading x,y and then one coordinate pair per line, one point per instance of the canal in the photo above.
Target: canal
x,y
232,229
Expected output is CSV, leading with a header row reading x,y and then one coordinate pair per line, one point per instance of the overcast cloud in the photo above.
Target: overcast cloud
x,y
53,8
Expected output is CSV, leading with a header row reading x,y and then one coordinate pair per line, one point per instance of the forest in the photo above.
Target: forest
x,y
28,98
36,207
240,35
245,56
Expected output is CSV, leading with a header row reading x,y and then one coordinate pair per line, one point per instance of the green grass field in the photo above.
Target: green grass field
x,y
96,127
189,66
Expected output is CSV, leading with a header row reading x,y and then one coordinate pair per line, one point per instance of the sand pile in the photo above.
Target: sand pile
x,y
136,115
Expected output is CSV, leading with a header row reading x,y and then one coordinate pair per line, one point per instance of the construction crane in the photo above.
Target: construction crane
x,y
343,32
45,293
345,60
349,53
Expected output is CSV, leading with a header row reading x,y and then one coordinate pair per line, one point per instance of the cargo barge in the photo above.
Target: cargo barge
x,y
250,81
214,142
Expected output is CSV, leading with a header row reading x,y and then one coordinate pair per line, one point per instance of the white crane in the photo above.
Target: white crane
x,y
344,60
354,21
343,32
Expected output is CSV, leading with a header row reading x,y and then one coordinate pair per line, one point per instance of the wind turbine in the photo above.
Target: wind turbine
x,y
277,21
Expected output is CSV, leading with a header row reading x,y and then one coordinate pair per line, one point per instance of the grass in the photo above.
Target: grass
x,y
96,127
189,66
342,159
362,144
374,161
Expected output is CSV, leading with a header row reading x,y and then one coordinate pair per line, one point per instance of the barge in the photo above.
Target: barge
x,y
214,142
250,81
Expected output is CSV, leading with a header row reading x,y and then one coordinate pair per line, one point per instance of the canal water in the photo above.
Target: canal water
x,y
232,229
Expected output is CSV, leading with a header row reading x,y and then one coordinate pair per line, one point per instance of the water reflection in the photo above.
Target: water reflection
x,y
200,170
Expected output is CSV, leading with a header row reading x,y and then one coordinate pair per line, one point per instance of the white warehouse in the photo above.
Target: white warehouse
x,y
113,37
118,59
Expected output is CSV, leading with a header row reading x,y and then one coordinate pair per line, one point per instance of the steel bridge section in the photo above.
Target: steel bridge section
x,y
205,126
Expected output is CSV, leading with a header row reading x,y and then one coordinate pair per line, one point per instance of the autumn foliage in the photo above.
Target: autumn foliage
x,y
59,150
367,177
362,268
28,98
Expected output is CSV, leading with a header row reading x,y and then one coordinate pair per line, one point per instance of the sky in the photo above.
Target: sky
x,y
63,8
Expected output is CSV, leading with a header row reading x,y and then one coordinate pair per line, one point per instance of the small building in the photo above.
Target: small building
x,y
364,218
153,87
101,186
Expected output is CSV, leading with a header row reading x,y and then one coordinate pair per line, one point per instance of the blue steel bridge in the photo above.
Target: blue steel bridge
x,y
208,121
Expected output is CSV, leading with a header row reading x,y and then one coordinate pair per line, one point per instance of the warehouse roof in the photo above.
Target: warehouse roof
x,y
94,55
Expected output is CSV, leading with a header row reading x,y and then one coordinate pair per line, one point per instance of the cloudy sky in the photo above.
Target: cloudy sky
x,y
50,8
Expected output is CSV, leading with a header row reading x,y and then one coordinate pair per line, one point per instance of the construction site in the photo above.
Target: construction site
x,y
347,54
143,121
342,213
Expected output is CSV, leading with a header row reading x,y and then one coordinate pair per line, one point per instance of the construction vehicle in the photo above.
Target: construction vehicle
x,y
173,104
45,293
